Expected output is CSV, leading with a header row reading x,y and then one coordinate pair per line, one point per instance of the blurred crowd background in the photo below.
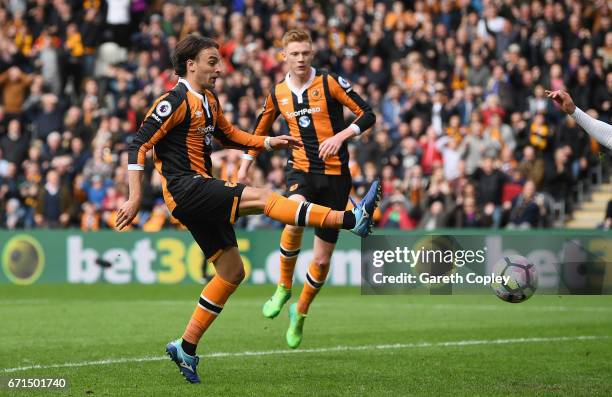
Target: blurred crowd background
x,y
464,135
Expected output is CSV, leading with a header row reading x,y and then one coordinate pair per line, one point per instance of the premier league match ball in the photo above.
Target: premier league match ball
x,y
520,279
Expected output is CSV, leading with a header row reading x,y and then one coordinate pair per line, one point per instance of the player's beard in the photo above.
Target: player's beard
x,y
207,82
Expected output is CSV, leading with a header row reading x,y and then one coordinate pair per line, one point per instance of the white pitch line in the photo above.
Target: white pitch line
x,y
394,346
244,303
443,306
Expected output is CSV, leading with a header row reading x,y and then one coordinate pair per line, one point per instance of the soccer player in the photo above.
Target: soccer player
x,y
180,126
599,130
311,101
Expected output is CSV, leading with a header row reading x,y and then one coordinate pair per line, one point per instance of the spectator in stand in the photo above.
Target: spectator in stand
x,y
14,144
396,215
54,203
96,190
49,117
478,74
532,166
558,179
491,108
46,49
14,216
580,146
90,219
489,183
476,145
118,22
430,153
524,212
14,85
8,183
451,157
470,215
501,133
539,134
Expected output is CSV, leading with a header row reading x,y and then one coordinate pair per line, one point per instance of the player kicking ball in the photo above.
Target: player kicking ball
x,y
311,101
180,127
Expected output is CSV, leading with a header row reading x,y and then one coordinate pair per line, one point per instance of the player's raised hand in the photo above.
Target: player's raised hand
x,y
284,141
563,99
330,147
126,213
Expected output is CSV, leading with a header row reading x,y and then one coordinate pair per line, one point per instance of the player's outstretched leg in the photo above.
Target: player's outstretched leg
x,y
289,212
364,211
291,241
230,272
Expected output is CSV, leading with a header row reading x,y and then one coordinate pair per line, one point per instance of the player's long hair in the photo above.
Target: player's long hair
x,y
189,48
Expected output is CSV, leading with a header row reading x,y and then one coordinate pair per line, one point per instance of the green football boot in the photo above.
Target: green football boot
x,y
274,305
296,324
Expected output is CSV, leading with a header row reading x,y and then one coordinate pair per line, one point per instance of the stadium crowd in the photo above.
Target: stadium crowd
x,y
465,136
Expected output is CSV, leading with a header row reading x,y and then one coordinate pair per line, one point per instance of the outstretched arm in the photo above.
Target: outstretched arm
x,y
232,137
264,123
596,128
262,128
599,130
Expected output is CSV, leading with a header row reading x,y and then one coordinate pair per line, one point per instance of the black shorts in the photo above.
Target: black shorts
x,y
209,209
328,190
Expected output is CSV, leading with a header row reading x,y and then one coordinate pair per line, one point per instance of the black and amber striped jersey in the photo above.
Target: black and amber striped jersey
x,y
315,113
180,127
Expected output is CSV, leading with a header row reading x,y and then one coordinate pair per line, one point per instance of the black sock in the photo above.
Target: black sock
x,y
189,348
349,220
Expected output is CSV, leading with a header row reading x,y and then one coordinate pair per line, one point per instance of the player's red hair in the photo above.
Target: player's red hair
x,y
296,35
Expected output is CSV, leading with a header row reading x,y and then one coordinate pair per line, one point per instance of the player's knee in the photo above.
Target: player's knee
x,y
294,229
236,275
322,261
264,195
240,275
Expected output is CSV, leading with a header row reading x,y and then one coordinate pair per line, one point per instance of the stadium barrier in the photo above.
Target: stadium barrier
x,y
172,257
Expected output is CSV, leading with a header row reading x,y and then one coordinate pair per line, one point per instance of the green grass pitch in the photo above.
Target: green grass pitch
x,y
354,345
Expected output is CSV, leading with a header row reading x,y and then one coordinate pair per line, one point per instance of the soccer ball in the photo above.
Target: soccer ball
x,y
523,280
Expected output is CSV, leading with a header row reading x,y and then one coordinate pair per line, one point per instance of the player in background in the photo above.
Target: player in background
x,y
311,101
599,130
180,126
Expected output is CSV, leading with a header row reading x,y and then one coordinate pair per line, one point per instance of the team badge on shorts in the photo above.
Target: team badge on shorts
x,y
293,187
230,184
163,109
